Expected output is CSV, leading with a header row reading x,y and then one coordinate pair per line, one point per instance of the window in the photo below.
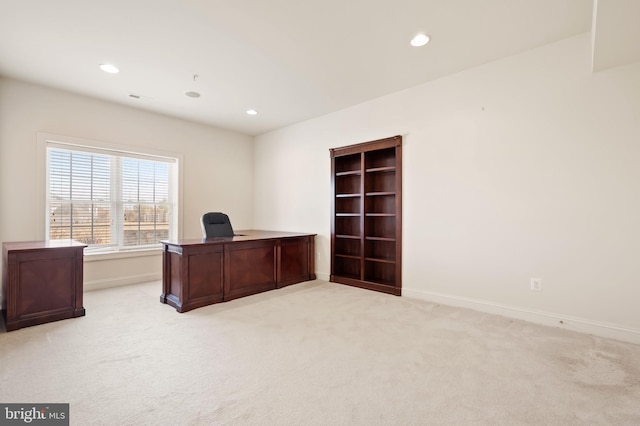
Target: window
x,y
109,200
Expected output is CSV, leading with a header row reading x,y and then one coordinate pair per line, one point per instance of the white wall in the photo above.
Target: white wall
x,y
525,167
217,170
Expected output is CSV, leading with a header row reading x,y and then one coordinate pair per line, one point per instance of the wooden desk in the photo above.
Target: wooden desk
x,y
41,282
201,272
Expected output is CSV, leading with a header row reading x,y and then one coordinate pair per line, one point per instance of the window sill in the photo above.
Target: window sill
x,y
94,257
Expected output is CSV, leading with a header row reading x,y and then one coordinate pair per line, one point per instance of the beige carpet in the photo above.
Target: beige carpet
x,y
315,354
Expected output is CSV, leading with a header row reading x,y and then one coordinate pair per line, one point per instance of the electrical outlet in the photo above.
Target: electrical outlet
x,y
536,284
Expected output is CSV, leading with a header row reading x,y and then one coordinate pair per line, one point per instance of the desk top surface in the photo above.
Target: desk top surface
x,y
39,245
243,235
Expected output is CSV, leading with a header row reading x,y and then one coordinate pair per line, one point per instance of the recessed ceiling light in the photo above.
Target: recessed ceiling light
x,y
420,40
252,112
111,69
192,94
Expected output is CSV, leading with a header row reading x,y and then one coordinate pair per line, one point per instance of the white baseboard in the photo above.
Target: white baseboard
x,y
120,281
581,325
322,276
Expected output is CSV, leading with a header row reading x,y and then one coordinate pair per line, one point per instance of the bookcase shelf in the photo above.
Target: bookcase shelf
x,y
380,239
366,217
381,169
348,237
348,173
348,256
374,259
379,194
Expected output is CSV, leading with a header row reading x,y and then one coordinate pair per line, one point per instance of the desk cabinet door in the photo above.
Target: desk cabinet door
x,y
205,277
192,276
250,268
295,261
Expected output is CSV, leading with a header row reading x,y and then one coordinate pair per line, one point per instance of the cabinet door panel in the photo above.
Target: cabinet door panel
x,y
249,268
205,275
46,286
294,261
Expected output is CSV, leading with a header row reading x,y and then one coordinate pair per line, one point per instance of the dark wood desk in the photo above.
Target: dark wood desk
x,y
201,272
41,282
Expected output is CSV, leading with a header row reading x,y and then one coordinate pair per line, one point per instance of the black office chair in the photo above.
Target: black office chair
x,y
216,224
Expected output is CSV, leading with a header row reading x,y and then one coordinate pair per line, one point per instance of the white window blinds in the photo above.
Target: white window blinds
x,y
108,200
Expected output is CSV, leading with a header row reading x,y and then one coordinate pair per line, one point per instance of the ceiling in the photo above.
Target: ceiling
x,y
291,60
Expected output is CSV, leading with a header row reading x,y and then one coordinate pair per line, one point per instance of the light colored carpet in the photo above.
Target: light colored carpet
x,y
315,353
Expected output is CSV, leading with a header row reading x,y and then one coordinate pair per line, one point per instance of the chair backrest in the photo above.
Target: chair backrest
x,y
216,224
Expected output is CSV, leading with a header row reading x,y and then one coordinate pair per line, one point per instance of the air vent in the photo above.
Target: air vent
x,y
139,97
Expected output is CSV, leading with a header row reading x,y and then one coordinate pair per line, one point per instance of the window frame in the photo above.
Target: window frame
x,y
46,140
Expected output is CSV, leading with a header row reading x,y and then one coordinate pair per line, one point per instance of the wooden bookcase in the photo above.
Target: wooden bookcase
x,y
366,218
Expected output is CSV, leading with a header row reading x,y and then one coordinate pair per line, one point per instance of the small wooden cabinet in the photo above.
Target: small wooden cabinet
x,y
366,220
42,281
